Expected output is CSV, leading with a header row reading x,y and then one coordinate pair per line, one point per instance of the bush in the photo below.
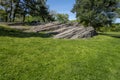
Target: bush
x,y
62,18
114,27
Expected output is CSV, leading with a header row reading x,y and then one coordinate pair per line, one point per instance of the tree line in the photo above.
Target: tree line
x,y
96,13
12,9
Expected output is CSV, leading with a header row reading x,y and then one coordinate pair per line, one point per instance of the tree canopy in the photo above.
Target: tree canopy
x,y
62,18
16,8
96,13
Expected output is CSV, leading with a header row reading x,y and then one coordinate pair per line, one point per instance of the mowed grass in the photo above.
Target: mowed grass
x,y
36,58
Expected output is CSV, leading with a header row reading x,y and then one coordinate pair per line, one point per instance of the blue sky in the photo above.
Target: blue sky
x,y
62,6
117,20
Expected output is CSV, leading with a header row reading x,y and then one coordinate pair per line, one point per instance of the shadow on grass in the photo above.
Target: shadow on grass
x,y
18,33
111,34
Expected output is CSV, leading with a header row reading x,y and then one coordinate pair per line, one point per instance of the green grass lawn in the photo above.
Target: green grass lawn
x,y
112,34
41,58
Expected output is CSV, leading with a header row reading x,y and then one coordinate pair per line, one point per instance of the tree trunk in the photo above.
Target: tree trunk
x,y
10,16
13,17
23,17
43,18
6,18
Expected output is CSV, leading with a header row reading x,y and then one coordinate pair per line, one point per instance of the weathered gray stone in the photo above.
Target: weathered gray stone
x,y
77,32
64,31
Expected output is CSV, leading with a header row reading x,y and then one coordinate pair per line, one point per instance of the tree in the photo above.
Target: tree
x,y
10,7
35,8
95,13
63,18
38,8
2,15
4,5
20,8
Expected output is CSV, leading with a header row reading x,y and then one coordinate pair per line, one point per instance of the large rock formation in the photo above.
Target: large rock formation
x,y
64,31
77,32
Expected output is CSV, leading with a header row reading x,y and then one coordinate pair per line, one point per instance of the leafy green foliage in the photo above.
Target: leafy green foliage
x,y
2,15
116,27
35,8
113,28
30,18
95,13
63,18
